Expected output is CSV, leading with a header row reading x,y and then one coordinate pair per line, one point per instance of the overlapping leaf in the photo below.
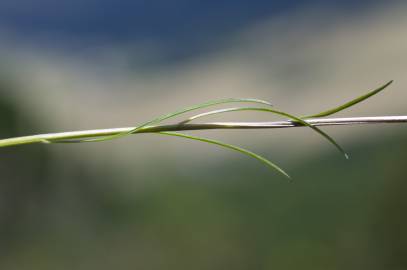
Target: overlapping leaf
x,y
301,120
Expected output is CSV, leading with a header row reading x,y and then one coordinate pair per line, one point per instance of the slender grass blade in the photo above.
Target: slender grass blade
x,y
179,112
292,117
350,103
232,147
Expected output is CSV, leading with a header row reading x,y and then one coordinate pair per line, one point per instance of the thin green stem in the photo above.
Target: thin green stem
x,y
84,134
292,117
179,112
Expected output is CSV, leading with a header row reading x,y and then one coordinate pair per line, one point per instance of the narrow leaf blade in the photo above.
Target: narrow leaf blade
x,y
232,147
350,103
179,112
292,117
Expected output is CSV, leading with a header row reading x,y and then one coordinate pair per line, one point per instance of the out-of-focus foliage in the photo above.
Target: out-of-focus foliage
x,y
335,215
149,202
19,198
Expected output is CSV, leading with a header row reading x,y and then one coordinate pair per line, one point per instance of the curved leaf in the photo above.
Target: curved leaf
x,y
292,117
230,146
179,112
350,103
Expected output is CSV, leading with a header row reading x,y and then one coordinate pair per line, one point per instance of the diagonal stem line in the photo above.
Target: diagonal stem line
x,y
70,135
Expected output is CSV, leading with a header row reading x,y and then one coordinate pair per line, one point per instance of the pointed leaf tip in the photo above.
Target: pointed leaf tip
x,y
349,103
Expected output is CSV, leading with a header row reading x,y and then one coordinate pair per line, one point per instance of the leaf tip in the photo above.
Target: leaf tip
x,y
387,84
290,180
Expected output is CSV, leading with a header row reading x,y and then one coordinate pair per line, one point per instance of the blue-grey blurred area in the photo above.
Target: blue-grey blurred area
x,y
153,202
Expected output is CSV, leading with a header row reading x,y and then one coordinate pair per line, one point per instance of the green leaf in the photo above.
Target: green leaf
x,y
229,146
292,117
350,103
179,112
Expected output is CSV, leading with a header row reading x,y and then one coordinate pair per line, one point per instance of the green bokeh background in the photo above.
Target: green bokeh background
x,y
149,202
336,214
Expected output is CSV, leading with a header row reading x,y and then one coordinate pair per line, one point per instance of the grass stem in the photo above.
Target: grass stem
x,y
72,135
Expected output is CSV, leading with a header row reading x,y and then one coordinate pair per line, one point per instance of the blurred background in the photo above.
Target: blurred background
x,y
155,202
